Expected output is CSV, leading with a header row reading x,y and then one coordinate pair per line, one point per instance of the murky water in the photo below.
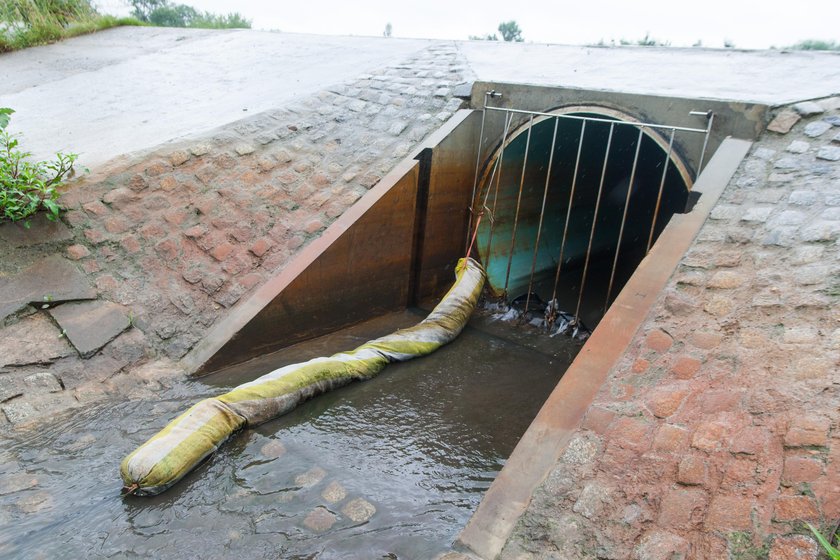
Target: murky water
x,y
419,445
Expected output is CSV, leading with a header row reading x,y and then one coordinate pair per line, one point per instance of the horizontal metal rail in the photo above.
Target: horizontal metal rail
x,y
597,119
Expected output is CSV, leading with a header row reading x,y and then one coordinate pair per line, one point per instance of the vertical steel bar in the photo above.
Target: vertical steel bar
x,y
623,218
477,164
518,203
594,223
569,210
705,144
661,188
496,193
542,215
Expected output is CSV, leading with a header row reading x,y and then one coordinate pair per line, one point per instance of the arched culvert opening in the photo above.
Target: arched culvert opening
x,y
526,190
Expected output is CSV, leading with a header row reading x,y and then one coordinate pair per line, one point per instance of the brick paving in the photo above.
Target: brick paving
x,y
717,434
175,237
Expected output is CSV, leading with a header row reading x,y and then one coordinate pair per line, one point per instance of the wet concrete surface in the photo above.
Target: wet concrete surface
x,y
393,466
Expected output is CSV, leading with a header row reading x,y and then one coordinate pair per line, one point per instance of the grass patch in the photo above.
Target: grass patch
x,y
28,23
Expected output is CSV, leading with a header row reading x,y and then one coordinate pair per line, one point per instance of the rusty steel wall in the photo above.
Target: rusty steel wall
x,y
396,246
357,269
451,172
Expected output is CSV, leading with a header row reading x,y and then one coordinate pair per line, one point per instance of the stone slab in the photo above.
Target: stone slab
x,y
40,231
784,121
90,325
32,340
51,280
829,153
808,108
816,128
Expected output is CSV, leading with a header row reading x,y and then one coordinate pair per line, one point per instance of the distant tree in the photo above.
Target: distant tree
x,y
510,31
816,45
698,43
164,14
388,29
144,8
728,44
487,37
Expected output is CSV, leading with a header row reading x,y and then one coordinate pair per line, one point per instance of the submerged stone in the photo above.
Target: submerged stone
x,y
334,492
320,519
359,510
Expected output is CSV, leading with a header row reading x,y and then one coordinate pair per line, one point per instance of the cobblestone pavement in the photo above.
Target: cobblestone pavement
x,y
174,238
717,434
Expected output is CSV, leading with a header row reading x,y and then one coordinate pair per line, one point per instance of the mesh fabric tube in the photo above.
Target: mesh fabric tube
x,y
186,441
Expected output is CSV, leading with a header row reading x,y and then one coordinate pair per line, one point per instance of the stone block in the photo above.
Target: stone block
x,y
808,108
659,340
807,431
662,545
692,471
359,510
664,401
40,231
794,547
682,508
311,477
784,121
319,519
334,492
798,147
729,513
91,325
801,469
710,436
816,129
685,367
32,340
829,153
795,508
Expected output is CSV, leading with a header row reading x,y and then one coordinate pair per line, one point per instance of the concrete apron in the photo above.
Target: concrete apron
x,y
546,439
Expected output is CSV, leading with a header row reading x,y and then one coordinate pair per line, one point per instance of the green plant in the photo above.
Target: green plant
x,y
832,552
164,14
26,23
25,186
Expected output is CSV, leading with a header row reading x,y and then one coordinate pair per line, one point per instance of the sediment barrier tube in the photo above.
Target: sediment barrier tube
x,y
174,451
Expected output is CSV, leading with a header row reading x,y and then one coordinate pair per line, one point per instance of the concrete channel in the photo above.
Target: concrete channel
x,y
328,287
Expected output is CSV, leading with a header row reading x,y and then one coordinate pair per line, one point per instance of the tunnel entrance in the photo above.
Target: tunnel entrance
x,y
571,201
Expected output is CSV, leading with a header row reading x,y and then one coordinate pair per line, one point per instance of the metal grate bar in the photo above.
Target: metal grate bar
x,y
594,223
518,203
624,218
661,188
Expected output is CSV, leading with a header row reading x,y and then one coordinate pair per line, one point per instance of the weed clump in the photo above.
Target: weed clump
x,y
27,23
26,186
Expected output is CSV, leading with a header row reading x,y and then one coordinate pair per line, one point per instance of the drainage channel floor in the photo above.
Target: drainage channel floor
x,y
389,468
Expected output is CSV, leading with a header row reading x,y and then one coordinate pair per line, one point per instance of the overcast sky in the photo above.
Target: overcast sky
x,y
747,24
